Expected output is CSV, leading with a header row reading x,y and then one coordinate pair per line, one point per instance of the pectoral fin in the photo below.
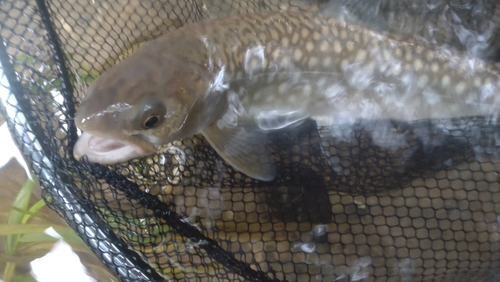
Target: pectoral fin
x,y
243,147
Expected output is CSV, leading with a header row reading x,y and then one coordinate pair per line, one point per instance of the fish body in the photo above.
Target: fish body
x,y
235,79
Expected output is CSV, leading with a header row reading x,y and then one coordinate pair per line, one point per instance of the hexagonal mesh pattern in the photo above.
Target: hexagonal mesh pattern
x,y
375,201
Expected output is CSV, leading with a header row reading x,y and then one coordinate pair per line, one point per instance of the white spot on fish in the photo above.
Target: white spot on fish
x,y
285,63
274,34
285,41
312,62
460,87
430,56
356,37
295,38
307,90
350,46
270,47
316,36
297,55
321,83
337,47
407,81
327,61
343,34
370,67
434,67
296,76
361,56
276,54
344,64
323,46
398,52
445,81
477,82
386,55
309,46
283,88
422,80
431,96
375,48
417,64
324,30
305,33
335,31
257,96
409,55
269,99
254,60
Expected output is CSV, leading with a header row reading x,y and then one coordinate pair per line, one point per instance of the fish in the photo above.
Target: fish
x,y
234,80
473,28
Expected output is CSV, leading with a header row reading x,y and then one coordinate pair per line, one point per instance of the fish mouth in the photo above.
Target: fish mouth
x,y
109,151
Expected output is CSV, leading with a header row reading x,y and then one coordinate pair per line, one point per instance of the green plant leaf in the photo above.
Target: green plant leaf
x,y
33,210
24,278
17,229
44,247
23,259
21,202
68,236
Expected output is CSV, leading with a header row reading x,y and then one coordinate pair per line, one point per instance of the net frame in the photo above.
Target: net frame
x,y
88,223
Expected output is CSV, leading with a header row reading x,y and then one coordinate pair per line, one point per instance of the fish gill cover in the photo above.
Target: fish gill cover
x,y
362,200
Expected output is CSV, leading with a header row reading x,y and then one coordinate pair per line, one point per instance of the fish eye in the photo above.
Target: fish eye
x,y
151,122
152,115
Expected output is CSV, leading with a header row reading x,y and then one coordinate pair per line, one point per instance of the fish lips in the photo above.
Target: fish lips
x,y
109,151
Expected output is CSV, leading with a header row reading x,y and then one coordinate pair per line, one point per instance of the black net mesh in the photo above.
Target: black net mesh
x,y
374,201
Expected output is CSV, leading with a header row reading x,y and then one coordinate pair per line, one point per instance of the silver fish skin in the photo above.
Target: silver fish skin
x,y
235,79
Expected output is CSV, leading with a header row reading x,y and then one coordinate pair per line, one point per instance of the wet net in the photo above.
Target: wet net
x,y
371,201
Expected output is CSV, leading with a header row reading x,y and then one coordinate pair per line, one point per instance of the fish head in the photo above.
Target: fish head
x,y
136,106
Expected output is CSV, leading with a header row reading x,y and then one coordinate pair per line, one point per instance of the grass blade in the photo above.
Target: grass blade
x,y
20,203
17,229
33,210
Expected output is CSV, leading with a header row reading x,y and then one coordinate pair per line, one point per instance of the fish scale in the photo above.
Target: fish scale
x,y
235,79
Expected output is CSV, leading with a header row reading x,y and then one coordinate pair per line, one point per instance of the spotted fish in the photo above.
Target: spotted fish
x,y
233,80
